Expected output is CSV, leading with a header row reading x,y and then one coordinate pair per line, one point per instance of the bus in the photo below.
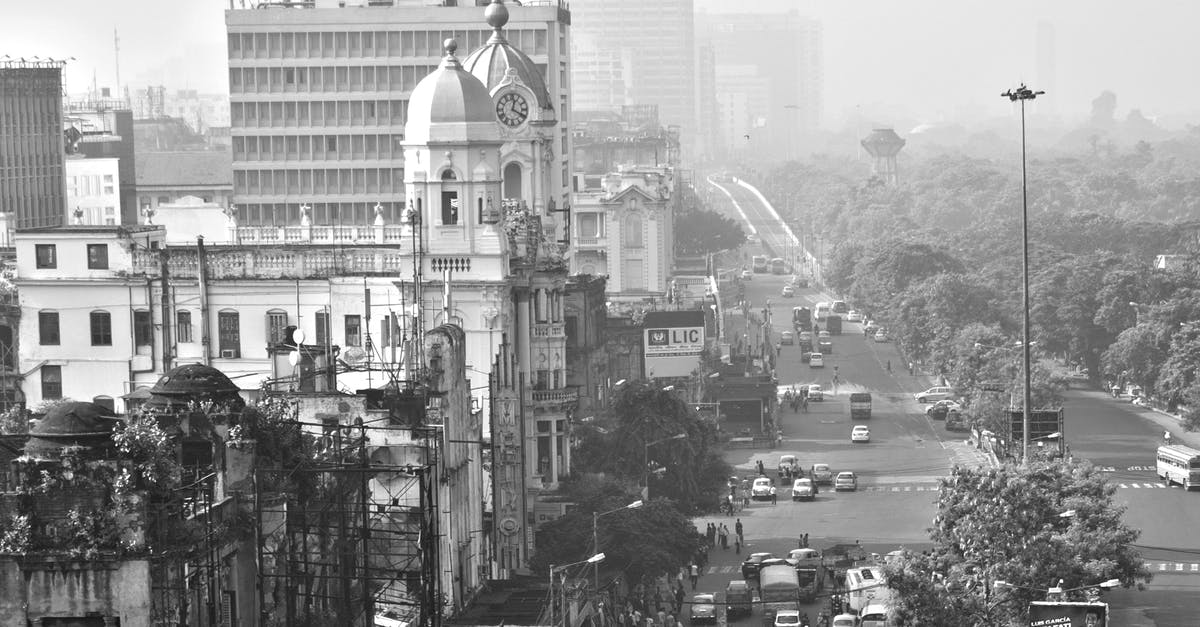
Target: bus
x,y
779,266
760,264
866,586
822,311
1179,464
802,318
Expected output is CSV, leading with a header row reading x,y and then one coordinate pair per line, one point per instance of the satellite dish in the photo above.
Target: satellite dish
x,y
354,355
298,336
294,357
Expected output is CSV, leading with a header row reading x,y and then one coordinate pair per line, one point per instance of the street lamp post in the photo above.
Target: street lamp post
x,y
1021,94
596,537
646,460
594,559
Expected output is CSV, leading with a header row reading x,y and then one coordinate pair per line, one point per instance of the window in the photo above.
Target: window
x,y
46,255
162,200
48,328
322,335
183,326
590,225
52,383
97,256
633,231
143,328
353,330
101,328
277,322
449,208
229,334
108,184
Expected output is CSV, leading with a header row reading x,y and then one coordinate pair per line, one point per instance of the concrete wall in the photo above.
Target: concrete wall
x,y
43,589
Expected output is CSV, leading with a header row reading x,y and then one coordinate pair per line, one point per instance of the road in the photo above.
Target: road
x,y
898,470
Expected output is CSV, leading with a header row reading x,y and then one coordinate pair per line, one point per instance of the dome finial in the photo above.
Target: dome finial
x,y
450,45
496,15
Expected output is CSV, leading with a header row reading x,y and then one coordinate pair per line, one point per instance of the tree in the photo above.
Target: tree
x,y
652,540
1136,355
703,231
1007,524
695,470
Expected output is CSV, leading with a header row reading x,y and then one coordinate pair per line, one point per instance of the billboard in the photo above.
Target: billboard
x,y
1042,423
673,341
1067,614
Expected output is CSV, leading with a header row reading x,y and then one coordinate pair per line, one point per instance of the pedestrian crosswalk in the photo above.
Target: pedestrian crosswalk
x,y
1143,484
1190,568
1128,485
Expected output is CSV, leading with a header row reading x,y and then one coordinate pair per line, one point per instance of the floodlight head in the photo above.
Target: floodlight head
x,y
1067,514
634,505
599,557
1111,583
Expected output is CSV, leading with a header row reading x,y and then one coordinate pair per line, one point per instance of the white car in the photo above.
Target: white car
x,y
934,394
854,316
845,481
845,620
860,433
787,338
815,393
804,490
787,618
747,275
788,291
816,360
823,335
881,336
761,488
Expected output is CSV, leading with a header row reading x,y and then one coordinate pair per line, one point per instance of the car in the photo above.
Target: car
x,y
804,554
822,473
823,335
787,618
761,490
788,462
799,281
845,480
881,336
845,620
804,490
739,598
853,316
787,338
956,422
839,307
826,347
815,393
747,275
860,433
816,360
752,238
870,328
937,411
805,336
935,393
788,291
751,565
704,608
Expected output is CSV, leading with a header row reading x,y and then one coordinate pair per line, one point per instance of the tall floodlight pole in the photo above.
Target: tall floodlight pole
x,y
1021,94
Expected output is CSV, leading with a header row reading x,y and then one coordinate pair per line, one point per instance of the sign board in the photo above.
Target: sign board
x,y
673,341
993,387
1042,422
1067,614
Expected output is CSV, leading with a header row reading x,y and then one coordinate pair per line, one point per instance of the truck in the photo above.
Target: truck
x,y
860,406
833,323
806,349
866,586
779,588
810,572
802,319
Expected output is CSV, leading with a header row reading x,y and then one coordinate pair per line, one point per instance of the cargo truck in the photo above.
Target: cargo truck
x,y
860,406
779,588
833,323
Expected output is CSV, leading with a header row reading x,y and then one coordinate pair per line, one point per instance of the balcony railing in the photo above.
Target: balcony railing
x,y
549,329
258,263
562,396
392,234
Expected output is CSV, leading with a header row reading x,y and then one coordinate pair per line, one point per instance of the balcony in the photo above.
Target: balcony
x,y
591,243
549,330
553,399
392,235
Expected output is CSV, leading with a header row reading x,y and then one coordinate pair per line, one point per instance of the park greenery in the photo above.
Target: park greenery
x,y
701,230
1048,521
937,260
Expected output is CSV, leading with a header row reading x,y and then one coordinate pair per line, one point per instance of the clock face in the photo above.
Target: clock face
x,y
512,109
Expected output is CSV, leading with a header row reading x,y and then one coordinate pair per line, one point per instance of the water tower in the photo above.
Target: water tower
x,y
883,144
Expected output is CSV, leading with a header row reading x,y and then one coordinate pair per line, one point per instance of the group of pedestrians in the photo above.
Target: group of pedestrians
x,y
797,400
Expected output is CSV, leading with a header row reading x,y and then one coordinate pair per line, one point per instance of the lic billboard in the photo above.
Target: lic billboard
x,y
673,341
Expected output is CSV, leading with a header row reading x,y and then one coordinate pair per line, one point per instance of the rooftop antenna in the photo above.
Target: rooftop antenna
x,y
117,60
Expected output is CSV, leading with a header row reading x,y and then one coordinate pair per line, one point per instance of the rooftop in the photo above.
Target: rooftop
x,y
184,168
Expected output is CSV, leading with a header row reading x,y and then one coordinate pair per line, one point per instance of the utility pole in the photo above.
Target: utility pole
x,y
164,257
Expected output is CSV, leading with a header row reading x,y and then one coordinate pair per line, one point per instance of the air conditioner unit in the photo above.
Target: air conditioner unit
x,y
229,353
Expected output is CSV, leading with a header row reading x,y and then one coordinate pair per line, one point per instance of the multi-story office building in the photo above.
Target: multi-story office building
x,y
32,180
783,90
319,96
102,128
654,41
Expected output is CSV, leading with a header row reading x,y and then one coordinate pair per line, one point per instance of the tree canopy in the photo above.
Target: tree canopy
x,y
1029,526
702,231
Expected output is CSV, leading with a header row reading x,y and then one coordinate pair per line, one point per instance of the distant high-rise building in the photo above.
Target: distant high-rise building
x,y
105,127
1047,69
32,149
653,41
319,95
782,90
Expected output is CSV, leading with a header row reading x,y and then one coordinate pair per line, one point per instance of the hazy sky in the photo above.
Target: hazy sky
x,y
930,58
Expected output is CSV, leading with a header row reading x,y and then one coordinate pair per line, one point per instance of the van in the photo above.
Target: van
x,y
874,615
845,620
739,600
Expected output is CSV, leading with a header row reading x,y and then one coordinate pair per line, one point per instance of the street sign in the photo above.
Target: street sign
x,y
993,387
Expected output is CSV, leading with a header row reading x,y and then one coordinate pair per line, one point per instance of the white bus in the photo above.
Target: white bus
x,y
1179,464
867,586
821,312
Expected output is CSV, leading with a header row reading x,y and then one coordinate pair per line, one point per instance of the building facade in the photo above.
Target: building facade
x,y
32,151
655,43
103,128
93,196
319,96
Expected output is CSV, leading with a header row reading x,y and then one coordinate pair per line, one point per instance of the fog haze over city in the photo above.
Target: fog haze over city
x,y
925,60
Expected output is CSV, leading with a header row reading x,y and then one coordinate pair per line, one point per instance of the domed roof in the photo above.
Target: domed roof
x,y
492,62
449,95
72,424
180,386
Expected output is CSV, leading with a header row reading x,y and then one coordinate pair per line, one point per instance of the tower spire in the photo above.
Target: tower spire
x,y
496,15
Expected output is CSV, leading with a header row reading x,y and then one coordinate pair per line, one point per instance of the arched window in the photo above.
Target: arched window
x,y
632,231
512,181
450,200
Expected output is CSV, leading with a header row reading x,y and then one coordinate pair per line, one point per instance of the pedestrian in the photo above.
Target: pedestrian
x,y
911,369
695,575
761,471
806,540
671,619
724,536
737,545
778,349
711,533
774,496
804,404
679,595
739,528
